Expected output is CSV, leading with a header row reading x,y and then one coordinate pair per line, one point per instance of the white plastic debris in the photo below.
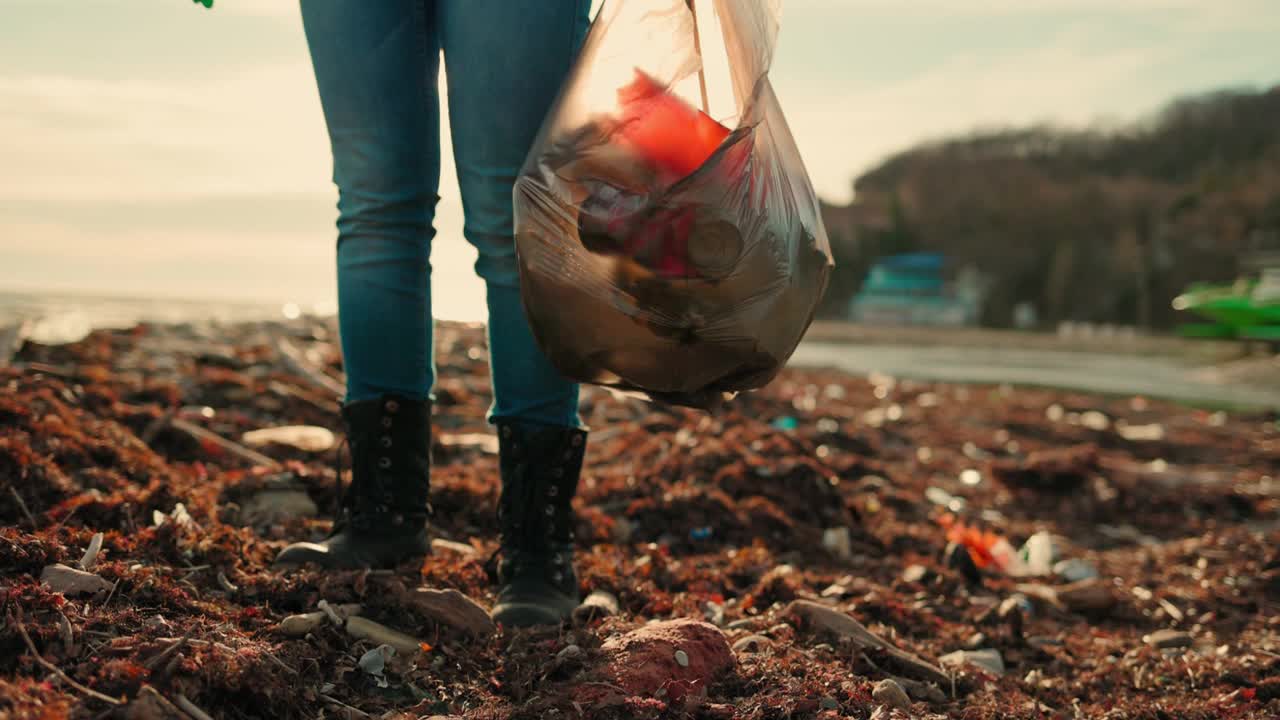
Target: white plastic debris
x,y
374,663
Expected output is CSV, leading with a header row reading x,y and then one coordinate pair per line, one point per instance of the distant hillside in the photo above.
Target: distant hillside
x,y
1086,225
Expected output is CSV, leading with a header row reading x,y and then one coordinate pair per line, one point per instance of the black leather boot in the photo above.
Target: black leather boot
x,y
382,520
540,465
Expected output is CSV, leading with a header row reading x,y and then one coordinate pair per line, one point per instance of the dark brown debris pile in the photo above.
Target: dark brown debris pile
x,y
794,549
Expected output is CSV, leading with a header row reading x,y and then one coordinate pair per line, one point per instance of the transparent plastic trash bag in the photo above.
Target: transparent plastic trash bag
x,y
668,235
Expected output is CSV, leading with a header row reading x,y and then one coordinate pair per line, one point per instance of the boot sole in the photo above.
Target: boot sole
x,y
525,615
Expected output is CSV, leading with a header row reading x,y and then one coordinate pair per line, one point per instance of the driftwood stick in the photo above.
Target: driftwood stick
x,y
22,505
22,630
190,708
297,362
234,448
154,427
168,652
335,701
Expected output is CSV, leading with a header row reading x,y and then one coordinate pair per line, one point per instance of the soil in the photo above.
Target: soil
x,y
824,486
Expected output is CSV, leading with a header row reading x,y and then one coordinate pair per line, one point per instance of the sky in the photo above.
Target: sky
x,y
155,148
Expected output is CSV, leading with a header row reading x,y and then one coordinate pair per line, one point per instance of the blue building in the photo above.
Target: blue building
x,y
914,289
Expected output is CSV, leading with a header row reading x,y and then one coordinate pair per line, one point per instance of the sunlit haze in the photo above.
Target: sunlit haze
x,y
152,147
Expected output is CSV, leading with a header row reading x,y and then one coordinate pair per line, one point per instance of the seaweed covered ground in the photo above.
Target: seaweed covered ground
x,y
831,546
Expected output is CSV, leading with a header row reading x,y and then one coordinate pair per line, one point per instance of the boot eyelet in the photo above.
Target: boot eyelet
x,y
386,422
392,406
386,441
577,440
384,462
506,431
553,490
551,510
557,472
558,577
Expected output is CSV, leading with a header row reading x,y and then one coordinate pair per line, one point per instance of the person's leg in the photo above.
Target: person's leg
x,y
505,61
376,65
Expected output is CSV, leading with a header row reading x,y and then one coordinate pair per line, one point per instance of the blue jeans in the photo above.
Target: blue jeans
x,y
376,63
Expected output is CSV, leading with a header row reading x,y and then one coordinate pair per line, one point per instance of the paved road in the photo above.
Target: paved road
x,y
1091,372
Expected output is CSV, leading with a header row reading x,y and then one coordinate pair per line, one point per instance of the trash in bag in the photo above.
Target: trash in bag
x,y
668,235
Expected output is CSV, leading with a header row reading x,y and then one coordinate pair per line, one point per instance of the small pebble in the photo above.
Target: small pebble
x,y
915,573
1043,641
834,590
889,692
1167,638
988,659
751,644
682,658
569,653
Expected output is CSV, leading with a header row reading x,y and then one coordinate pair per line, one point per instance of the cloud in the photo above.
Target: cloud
x,y
93,139
1081,77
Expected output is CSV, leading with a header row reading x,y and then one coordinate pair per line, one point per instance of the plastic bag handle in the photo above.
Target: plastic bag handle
x,y
697,49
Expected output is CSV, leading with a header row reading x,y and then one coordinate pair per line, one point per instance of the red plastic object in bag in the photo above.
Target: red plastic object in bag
x,y
665,130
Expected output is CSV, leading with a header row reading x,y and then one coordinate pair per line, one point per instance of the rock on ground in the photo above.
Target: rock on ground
x,y
452,608
643,661
889,692
70,581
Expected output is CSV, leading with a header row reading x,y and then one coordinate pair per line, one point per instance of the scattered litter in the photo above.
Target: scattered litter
x,y
178,516
1036,556
1075,569
786,422
374,662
